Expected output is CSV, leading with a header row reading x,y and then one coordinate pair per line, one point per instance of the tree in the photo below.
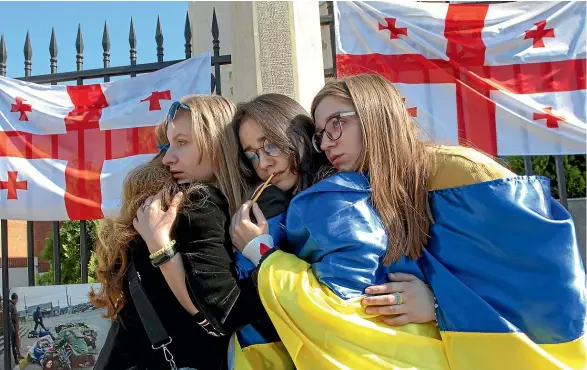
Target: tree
x,y
574,166
69,234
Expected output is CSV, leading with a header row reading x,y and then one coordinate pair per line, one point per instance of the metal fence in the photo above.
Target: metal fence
x,y
79,76
328,21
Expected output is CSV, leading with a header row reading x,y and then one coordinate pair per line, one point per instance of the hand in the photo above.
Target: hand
x,y
418,304
243,230
153,224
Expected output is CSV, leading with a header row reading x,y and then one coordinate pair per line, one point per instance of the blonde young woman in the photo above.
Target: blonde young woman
x,y
497,250
187,274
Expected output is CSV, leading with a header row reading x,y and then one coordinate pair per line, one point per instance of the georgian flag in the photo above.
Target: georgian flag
x,y
65,150
508,78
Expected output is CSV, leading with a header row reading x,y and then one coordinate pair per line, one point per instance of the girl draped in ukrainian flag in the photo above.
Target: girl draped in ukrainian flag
x,y
499,253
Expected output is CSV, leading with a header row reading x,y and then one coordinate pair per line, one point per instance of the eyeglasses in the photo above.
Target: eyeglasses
x,y
332,129
174,108
270,149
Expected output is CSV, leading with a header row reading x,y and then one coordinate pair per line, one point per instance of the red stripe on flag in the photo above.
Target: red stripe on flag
x,y
462,30
405,68
83,194
463,26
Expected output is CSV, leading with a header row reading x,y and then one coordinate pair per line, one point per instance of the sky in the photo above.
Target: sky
x,y
16,18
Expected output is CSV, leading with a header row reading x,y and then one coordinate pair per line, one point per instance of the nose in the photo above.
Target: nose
x,y
265,161
326,143
169,158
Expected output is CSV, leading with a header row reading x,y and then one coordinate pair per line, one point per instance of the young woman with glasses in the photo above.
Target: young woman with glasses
x,y
499,253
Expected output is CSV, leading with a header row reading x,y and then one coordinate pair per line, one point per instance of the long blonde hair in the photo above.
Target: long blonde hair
x,y
398,161
211,116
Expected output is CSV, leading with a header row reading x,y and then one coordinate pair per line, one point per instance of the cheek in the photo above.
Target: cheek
x,y
355,139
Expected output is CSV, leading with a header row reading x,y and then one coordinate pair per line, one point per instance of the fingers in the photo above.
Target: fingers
x,y
386,288
395,320
244,212
156,200
400,276
261,221
381,300
387,310
175,202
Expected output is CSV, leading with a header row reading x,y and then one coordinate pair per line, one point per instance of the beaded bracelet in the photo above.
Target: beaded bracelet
x,y
167,247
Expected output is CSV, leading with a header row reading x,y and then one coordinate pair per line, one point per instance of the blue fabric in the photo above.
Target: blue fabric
x,y
507,251
330,224
248,335
502,256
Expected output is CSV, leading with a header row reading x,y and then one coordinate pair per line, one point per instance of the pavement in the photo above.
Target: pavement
x,y
92,318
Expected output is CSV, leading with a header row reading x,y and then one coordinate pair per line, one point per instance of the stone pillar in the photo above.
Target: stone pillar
x,y
277,47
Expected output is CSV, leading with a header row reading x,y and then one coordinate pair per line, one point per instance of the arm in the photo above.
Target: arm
x,y
154,225
201,274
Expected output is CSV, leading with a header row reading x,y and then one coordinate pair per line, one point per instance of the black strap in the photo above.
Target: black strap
x,y
155,331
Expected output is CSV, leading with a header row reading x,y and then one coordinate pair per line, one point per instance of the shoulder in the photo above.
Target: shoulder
x,y
460,166
206,206
273,201
204,198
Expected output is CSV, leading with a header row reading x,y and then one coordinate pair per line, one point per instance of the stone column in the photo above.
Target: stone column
x,y
277,47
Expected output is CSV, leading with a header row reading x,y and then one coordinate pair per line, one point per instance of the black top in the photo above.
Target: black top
x,y
204,245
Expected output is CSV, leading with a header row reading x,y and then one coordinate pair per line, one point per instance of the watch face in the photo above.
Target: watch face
x,y
161,259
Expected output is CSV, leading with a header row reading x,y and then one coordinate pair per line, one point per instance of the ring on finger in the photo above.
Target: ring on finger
x,y
398,298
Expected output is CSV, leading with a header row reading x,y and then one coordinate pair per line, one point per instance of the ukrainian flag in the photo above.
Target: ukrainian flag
x,y
502,261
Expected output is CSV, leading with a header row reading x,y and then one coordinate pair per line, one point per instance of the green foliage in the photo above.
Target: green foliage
x,y
69,234
574,166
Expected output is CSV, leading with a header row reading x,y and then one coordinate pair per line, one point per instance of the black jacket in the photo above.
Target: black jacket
x,y
204,244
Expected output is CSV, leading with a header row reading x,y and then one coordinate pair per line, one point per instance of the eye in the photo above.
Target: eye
x,y
181,142
271,148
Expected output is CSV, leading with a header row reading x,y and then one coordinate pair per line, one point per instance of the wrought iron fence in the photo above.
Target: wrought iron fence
x,y
79,76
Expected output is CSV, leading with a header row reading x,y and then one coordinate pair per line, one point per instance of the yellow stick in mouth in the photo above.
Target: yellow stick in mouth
x,y
260,190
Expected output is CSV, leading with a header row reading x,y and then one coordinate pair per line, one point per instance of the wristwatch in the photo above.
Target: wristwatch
x,y
164,257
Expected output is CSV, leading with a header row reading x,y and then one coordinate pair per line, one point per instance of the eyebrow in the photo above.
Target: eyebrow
x,y
261,139
178,136
331,117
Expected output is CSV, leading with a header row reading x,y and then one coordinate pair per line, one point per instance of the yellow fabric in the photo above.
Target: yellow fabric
x,y
459,166
515,351
270,356
322,331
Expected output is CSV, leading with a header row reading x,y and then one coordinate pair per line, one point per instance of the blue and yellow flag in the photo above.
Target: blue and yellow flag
x,y
502,261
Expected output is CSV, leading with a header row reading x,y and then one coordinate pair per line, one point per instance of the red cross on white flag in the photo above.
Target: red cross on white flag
x,y
65,150
507,78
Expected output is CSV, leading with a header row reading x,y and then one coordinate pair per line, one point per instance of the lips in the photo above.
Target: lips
x,y
276,176
334,158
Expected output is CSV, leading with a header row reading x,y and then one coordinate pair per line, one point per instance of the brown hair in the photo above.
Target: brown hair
x,y
211,116
398,161
288,125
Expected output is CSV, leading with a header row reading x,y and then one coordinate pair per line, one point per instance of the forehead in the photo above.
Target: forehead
x,y
181,125
250,132
328,107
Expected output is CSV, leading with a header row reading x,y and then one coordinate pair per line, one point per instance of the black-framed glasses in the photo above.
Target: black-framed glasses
x,y
332,129
174,108
269,148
